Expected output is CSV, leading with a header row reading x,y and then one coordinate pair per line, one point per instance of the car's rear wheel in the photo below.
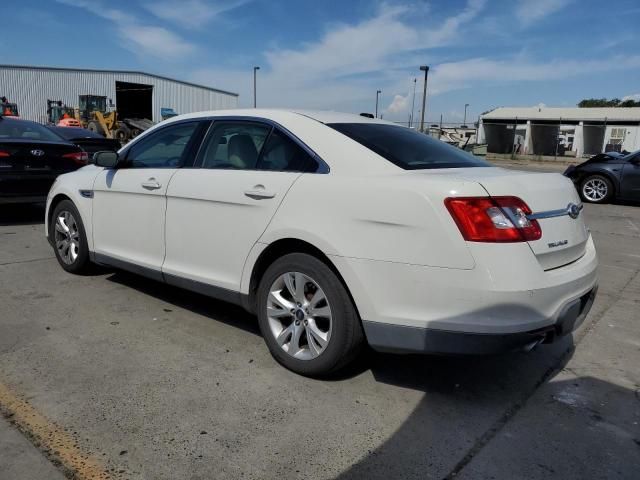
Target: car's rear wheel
x,y
596,189
307,317
69,238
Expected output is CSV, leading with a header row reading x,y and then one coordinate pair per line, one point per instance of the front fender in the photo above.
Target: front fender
x,y
70,185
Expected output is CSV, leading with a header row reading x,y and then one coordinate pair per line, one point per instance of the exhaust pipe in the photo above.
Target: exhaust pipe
x,y
530,346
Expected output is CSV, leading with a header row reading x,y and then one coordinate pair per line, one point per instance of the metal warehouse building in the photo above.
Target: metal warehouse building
x,y
133,94
560,131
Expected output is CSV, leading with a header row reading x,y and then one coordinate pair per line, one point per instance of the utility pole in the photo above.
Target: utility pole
x,y
255,69
464,122
425,69
378,92
413,104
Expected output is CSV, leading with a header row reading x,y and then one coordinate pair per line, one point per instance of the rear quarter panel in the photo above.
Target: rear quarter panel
x,y
397,218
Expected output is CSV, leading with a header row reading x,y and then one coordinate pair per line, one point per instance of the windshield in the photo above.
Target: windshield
x,y
630,155
407,148
14,129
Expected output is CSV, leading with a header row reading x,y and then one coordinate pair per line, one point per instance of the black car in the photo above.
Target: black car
x,y
87,140
31,157
607,176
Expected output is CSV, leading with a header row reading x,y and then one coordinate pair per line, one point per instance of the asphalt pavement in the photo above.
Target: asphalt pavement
x,y
116,376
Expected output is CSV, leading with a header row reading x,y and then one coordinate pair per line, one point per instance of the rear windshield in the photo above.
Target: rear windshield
x,y
71,133
14,129
407,148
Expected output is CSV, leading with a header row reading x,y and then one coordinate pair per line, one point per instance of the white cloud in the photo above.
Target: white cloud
x,y
156,41
451,26
635,97
531,11
138,37
483,71
399,104
191,13
343,67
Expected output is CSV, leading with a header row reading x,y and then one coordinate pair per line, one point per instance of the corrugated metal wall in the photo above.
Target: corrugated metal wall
x,y
30,87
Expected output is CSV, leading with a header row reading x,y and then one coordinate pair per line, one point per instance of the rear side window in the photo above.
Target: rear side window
x,y
234,145
280,153
407,148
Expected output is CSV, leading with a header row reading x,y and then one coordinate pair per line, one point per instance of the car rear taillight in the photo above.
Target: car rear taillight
x,y
4,154
493,219
81,158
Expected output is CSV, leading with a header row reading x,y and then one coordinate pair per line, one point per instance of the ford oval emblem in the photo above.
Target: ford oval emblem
x,y
574,210
37,153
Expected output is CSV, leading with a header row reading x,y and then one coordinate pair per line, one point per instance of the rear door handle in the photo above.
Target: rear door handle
x,y
259,193
151,184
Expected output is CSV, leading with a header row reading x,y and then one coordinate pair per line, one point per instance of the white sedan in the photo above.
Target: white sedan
x,y
337,231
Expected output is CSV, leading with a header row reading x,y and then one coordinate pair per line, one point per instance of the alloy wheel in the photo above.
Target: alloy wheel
x,y
595,189
67,237
299,315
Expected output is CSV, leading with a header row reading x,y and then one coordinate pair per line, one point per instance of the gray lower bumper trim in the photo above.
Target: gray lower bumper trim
x,y
385,337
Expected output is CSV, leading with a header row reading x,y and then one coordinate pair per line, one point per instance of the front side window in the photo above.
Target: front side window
x,y
282,154
163,149
234,145
406,148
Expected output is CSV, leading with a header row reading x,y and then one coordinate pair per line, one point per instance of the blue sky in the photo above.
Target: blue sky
x,y
335,54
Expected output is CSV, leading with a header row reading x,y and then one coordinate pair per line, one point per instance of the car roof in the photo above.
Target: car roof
x,y
274,113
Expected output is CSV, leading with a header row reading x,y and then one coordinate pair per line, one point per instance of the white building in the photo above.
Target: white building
x,y
560,131
133,94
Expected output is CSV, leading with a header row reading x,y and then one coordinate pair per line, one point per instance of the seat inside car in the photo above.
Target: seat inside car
x,y
242,152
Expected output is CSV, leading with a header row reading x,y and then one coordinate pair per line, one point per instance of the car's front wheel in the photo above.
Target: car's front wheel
x,y
307,317
596,189
68,237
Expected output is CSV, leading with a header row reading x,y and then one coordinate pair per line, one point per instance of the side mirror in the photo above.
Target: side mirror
x,y
106,159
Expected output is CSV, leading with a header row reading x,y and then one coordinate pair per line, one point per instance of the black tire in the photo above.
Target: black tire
x,y
589,194
81,263
346,338
122,135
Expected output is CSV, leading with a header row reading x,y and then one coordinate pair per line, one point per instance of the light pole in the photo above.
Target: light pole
x,y
425,69
413,103
255,69
378,92
464,122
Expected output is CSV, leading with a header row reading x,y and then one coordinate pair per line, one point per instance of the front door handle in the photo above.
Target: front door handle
x,y
259,193
151,184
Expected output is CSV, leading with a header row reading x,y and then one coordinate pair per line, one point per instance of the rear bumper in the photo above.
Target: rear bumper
x,y
438,310
402,339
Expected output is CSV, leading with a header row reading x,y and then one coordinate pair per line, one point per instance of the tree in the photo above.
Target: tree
x,y
604,102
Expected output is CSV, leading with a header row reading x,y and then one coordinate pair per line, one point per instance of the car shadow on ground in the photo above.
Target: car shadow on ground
x,y
570,432
464,397
427,373
202,305
21,214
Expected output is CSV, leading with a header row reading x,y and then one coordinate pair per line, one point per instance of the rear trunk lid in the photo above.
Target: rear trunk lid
x,y
28,168
93,145
549,195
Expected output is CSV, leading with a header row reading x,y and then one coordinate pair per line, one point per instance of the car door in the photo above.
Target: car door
x,y
630,178
129,201
215,214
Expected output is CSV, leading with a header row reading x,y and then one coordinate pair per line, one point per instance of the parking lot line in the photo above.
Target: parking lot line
x,y
52,439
